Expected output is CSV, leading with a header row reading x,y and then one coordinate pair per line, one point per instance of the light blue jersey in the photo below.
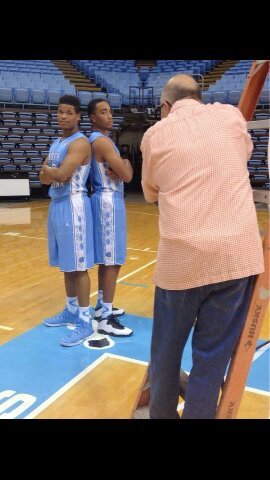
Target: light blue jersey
x,y
109,214
70,223
100,181
76,185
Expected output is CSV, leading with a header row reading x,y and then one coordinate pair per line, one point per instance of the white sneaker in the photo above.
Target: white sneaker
x,y
115,311
112,326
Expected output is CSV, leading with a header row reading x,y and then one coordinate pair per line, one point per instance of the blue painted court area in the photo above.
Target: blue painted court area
x,y
34,365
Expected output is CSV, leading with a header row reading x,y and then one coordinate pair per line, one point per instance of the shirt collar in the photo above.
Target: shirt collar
x,y
183,103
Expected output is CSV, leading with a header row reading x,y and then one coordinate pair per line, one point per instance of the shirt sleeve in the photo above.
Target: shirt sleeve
x,y
150,190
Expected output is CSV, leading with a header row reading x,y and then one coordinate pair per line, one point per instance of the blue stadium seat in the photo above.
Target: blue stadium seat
x,y
85,98
21,95
6,94
234,97
207,97
53,97
220,96
265,97
100,95
114,100
39,96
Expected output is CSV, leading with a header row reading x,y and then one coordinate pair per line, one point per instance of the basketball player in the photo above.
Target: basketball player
x,y
70,229
108,172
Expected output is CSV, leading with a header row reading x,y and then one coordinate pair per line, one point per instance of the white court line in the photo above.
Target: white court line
x,y
142,250
141,213
127,359
10,210
78,377
3,327
119,279
250,389
260,352
36,238
82,374
18,235
66,387
128,275
146,204
256,390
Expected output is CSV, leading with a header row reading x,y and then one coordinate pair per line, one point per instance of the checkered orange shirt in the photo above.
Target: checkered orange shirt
x,y
195,166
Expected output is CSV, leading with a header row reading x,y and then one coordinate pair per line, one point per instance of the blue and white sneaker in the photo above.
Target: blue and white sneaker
x,y
115,311
63,318
112,326
82,332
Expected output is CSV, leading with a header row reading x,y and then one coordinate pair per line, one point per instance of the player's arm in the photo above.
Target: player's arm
x,y
104,151
43,177
112,174
79,151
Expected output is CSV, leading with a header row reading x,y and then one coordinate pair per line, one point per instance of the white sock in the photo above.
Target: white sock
x,y
100,295
72,304
99,299
84,314
106,309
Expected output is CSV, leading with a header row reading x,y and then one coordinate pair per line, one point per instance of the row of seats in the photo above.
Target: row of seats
x,y
21,161
117,81
32,82
16,126
4,114
232,96
51,97
33,96
23,168
11,152
229,87
258,164
36,117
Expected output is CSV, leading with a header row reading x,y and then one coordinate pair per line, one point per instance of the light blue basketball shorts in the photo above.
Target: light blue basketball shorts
x,y
109,224
70,234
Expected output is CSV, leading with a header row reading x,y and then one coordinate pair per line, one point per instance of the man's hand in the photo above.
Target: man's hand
x,y
43,177
112,175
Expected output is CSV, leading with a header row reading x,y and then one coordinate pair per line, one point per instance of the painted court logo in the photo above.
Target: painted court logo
x,y
15,404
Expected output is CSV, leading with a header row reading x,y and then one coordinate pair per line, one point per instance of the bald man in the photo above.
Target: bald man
x,y
178,87
195,167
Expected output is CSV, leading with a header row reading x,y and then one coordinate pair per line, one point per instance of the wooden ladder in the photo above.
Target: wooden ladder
x,y
241,360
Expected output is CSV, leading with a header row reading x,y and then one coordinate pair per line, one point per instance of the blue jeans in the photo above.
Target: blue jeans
x,y
219,310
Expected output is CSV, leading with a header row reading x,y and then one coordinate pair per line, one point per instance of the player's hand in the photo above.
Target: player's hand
x,y
44,178
112,175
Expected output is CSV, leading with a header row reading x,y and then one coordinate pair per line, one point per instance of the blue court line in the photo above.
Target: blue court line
x,y
134,284
34,363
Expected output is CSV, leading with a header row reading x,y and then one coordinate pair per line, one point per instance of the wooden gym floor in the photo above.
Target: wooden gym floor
x,y
30,290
